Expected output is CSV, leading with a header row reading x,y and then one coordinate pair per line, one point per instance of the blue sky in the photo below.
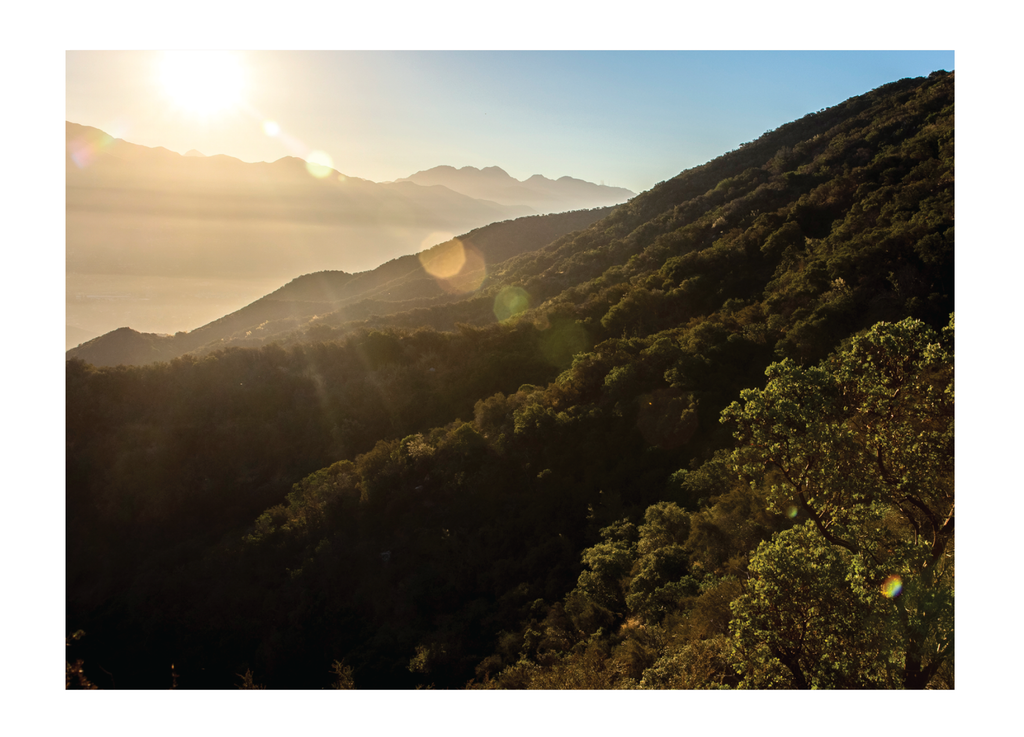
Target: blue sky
x,y
625,118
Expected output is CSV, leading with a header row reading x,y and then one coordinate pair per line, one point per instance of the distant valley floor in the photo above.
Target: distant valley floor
x,y
99,303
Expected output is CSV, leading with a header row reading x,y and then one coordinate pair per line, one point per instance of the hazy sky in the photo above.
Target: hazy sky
x,y
628,119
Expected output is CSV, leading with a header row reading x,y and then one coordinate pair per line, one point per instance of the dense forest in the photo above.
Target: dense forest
x,y
704,442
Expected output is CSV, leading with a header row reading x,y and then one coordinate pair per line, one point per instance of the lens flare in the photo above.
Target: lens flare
x,y
892,586
458,268
470,276
444,260
510,301
84,151
271,128
562,341
319,164
792,510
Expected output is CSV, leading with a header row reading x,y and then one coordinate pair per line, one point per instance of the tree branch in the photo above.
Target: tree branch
x,y
816,519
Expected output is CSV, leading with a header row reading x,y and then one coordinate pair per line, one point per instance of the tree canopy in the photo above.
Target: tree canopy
x,y
861,448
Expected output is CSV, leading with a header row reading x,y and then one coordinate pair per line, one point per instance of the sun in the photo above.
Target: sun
x,y
202,83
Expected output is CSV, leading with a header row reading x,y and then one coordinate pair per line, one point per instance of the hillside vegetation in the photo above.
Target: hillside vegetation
x,y
704,442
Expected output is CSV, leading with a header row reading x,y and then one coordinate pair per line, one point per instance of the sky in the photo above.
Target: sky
x,y
623,118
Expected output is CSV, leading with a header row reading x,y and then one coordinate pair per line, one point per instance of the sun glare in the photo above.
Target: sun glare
x,y
202,83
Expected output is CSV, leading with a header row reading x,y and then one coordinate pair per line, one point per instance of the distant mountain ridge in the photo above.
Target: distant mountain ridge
x,y
110,175
396,286
542,194
136,211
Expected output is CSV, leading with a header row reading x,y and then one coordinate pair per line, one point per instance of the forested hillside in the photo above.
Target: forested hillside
x,y
705,442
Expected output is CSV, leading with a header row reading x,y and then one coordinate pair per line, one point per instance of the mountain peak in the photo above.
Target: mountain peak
x,y
538,192
494,171
193,152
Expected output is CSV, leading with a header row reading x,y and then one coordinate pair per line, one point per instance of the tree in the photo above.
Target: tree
x,y
659,577
860,448
599,597
797,621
